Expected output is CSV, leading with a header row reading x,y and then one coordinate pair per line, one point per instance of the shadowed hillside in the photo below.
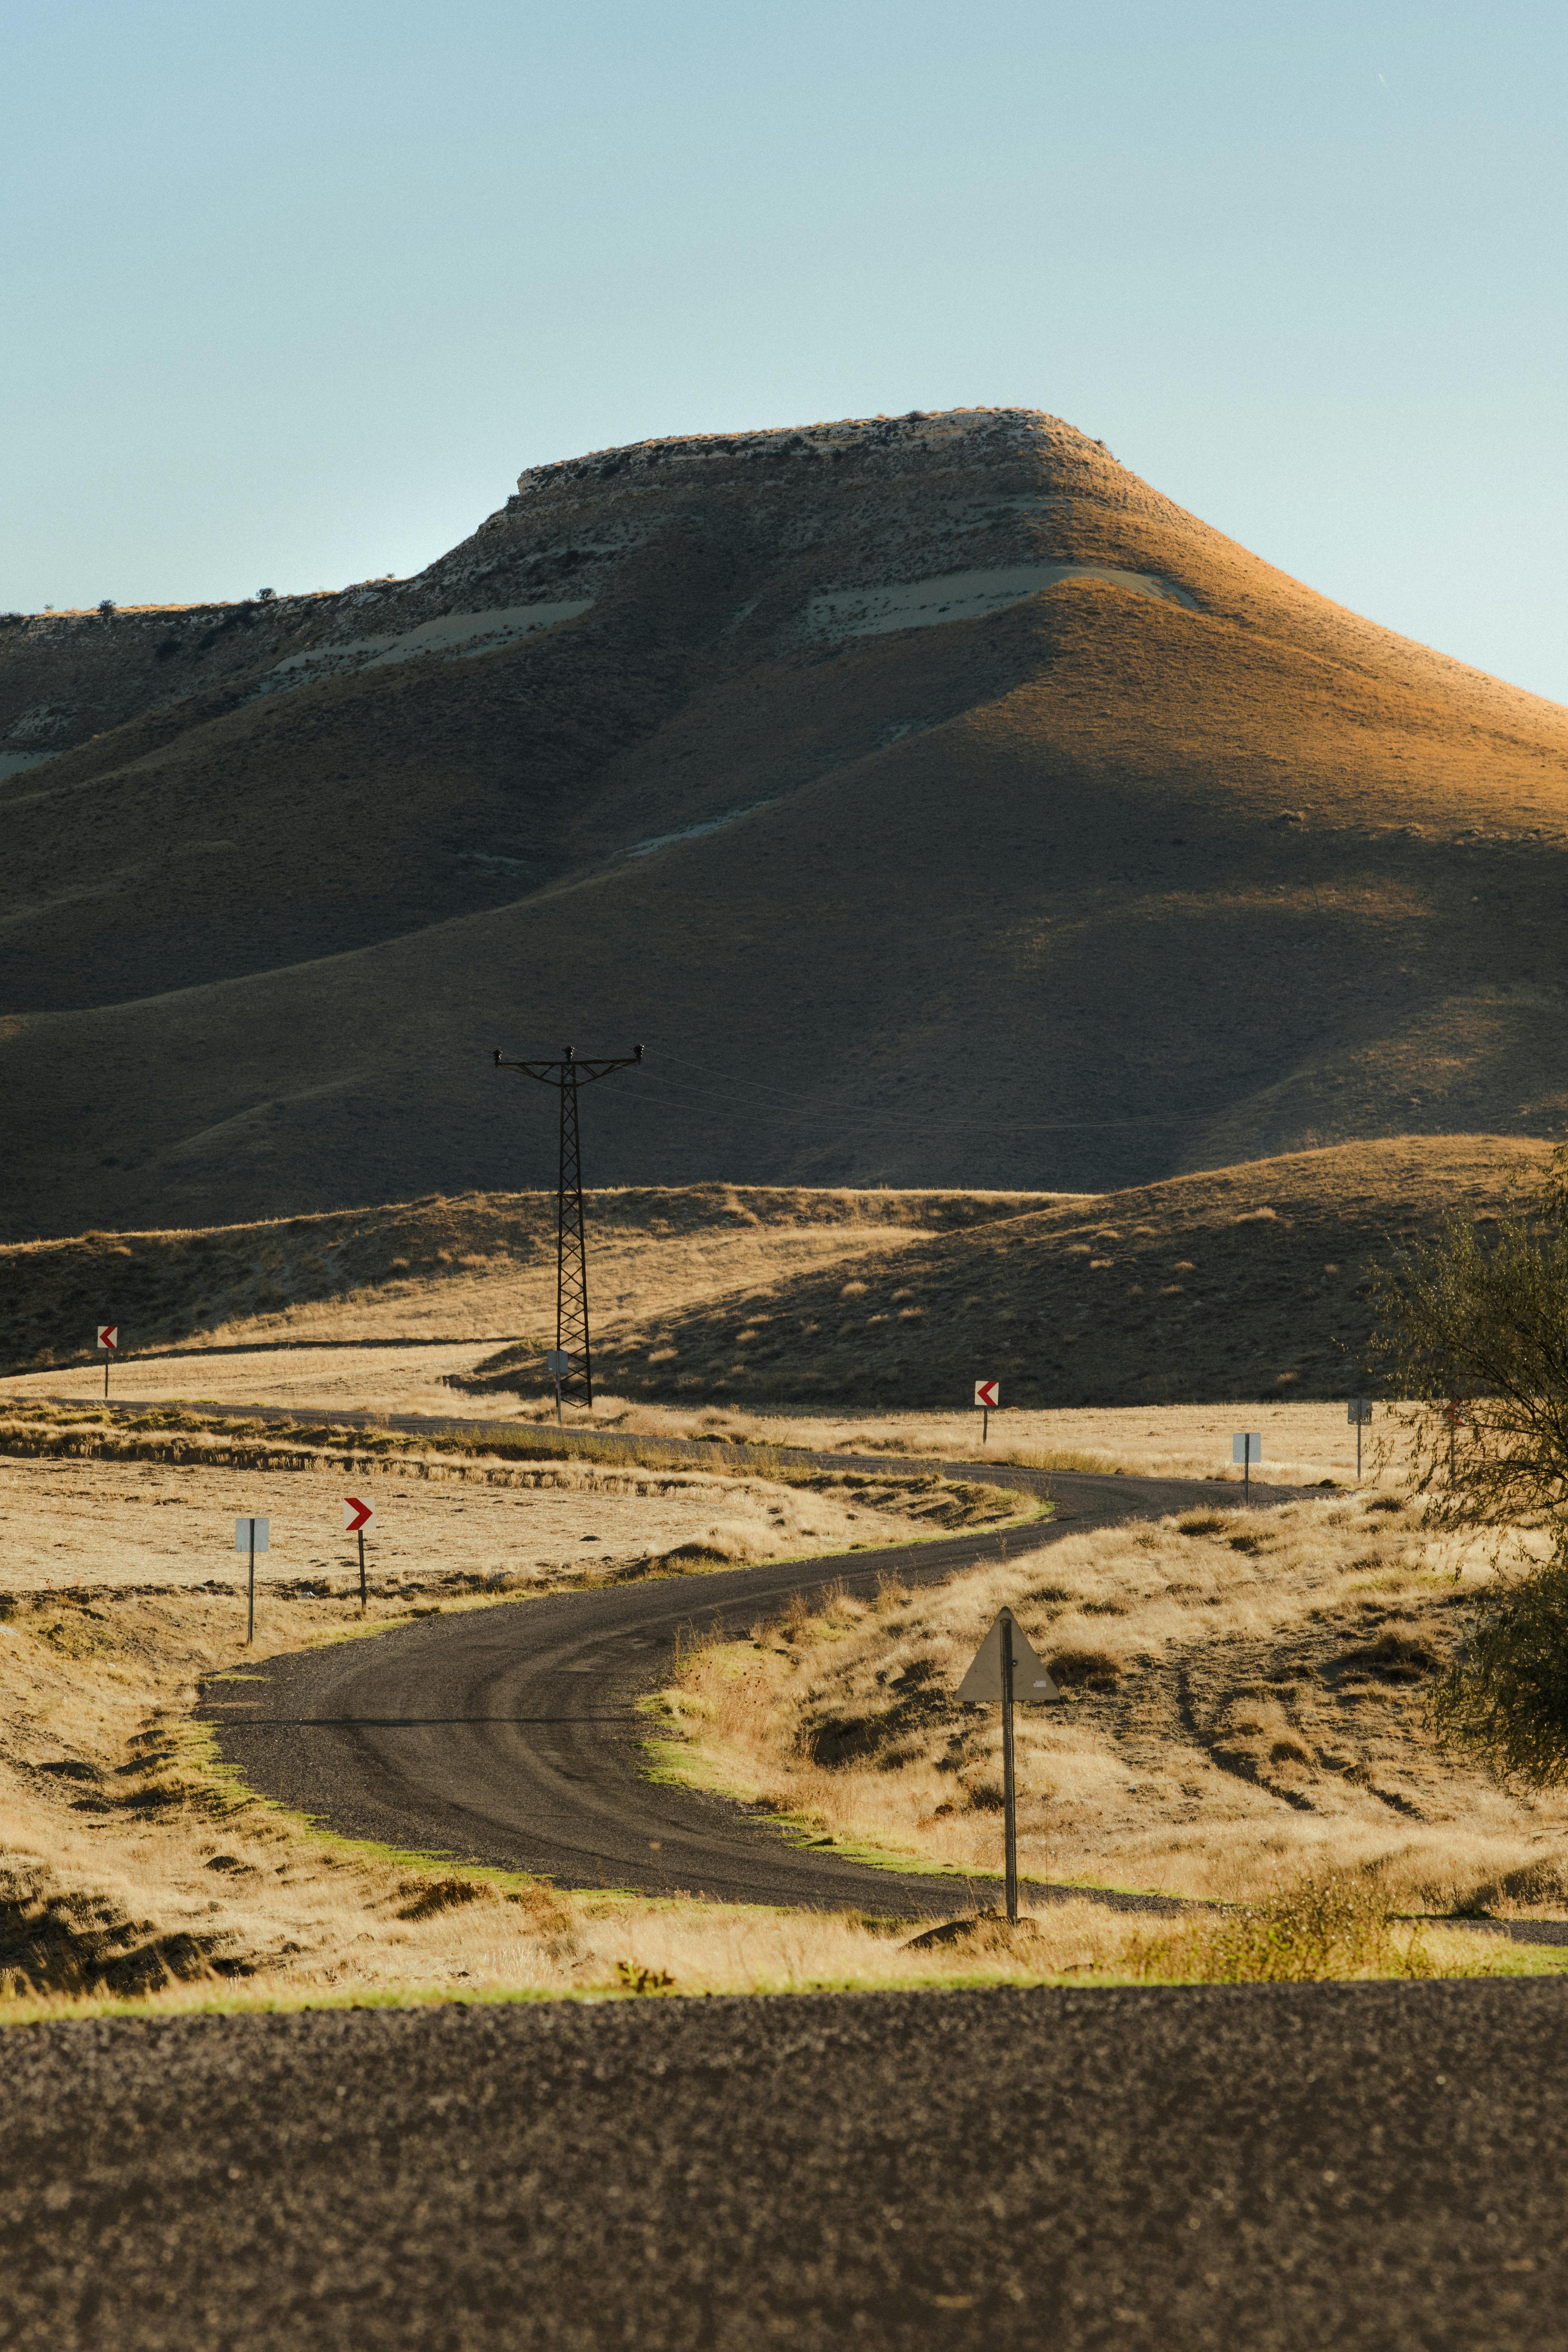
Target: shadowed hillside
x,y
421,1271
940,805
1248,1282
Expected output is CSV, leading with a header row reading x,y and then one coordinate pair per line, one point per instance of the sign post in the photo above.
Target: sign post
x,y
1358,1411
357,1517
109,1340
987,1396
250,1535
1453,1413
1005,1668
558,1363
1246,1448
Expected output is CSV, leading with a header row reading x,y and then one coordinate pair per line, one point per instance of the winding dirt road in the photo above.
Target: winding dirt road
x,y
515,1735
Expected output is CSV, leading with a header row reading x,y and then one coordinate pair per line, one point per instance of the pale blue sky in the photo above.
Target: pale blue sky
x,y
292,291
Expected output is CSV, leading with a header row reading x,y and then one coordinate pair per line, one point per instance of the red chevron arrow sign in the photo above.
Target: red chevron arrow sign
x,y
357,1516
109,1336
988,1394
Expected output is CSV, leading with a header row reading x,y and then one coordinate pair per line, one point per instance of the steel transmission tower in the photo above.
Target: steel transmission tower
x,y
570,1240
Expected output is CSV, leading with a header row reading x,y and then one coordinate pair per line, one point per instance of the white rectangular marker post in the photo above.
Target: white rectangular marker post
x,y
109,1340
557,1363
357,1517
1358,1411
1246,1447
987,1396
250,1535
1005,1668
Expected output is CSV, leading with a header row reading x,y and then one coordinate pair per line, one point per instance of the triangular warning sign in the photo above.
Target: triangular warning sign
x,y
982,1686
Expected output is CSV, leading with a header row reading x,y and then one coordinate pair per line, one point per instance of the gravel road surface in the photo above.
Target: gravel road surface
x,y
1241,2169
515,1736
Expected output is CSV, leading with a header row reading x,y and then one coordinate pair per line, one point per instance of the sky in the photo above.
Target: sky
x,y
291,294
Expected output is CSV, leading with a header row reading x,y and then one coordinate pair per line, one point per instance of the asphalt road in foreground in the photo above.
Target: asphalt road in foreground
x,y
1316,2168
516,1736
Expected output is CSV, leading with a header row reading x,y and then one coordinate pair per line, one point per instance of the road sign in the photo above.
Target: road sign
x,y
557,1363
1246,1447
109,1336
1359,1409
250,1536
1004,1670
988,1393
357,1517
982,1686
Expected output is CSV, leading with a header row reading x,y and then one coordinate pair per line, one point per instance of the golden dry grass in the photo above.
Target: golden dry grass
x,y
134,1869
1243,1702
454,1272
1243,1283
84,1499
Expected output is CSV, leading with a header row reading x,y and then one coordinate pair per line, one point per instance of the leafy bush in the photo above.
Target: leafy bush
x,y
1504,1698
1475,1332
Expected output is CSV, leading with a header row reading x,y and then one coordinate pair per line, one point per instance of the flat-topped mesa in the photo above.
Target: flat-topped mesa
x,y
975,432
978,445
856,528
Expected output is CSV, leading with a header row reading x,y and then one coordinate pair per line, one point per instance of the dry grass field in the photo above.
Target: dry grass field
x,y
86,1501
479,1268
1242,1706
134,1872
133,1869
1245,1283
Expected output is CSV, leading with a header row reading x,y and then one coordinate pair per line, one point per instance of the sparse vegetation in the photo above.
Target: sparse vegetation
x,y
1245,1699
1473,1324
1325,1927
1476,1327
1503,1698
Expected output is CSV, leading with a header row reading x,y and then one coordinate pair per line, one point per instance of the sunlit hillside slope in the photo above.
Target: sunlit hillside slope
x,y
938,803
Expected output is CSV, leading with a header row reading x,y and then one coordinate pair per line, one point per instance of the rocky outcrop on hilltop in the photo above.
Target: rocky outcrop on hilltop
x,y
836,510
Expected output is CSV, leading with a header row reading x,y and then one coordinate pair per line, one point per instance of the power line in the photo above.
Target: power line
x,y
571,1238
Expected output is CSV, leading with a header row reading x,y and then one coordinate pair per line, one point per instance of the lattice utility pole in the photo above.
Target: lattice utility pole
x,y
571,1241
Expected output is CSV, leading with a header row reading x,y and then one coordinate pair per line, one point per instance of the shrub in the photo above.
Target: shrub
x,y
1504,1696
1475,1332
1319,1929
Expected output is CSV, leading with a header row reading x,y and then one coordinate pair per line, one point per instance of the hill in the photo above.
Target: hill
x,y
437,1271
938,803
1244,1283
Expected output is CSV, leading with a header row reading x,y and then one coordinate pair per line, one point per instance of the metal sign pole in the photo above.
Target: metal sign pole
x,y
1358,1454
361,1590
250,1628
984,1413
1009,1791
